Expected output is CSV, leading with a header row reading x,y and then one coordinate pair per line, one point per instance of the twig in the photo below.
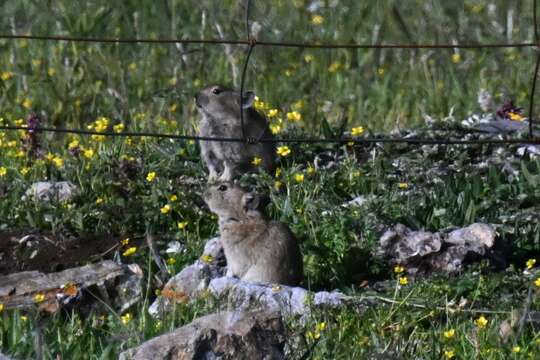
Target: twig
x,y
157,259
526,308
423,306
229,53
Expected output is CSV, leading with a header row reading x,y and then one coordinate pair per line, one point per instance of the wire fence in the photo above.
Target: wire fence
x,y
251,43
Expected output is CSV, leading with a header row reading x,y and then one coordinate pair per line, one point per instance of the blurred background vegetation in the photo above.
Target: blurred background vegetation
x,y
74,83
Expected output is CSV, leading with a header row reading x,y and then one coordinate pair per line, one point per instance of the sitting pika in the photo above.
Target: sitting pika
x,y
220,110
256,249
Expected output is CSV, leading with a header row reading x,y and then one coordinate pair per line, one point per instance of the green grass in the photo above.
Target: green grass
x,y
150,88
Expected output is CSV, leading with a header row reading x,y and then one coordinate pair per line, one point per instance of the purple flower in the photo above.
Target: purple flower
x,y
32,122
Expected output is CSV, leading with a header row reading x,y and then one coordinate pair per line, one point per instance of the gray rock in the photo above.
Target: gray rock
x,y
192,280
51,191
4,357
478,235
206,276
424,252
227,335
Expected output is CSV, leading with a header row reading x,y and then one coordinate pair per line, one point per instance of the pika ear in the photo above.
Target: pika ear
x,y
251,201
248,99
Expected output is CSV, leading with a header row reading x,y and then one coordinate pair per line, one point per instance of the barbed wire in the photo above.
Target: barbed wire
x,y
251,43
340,140
311,45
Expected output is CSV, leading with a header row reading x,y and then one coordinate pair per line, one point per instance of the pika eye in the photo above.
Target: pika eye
x,y
216,91
222,188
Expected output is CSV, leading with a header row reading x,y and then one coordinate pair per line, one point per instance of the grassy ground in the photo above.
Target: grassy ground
x,y
144,87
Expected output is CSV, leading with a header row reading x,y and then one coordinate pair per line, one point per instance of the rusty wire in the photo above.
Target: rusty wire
x,y
251,42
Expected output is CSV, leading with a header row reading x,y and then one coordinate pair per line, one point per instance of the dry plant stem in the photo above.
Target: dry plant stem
x,y
526,309
422,306
229,53
163,271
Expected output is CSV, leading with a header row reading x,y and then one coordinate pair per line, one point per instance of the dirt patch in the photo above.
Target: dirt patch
x,y
28,251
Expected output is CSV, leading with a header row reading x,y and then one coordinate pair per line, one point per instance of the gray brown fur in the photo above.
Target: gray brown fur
x,y
256,249
219,107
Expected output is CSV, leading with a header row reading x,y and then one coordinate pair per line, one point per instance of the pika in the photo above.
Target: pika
x,y
256,249
219,108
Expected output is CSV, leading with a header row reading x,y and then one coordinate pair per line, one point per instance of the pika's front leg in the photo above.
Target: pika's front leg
x,y
211,162
229,171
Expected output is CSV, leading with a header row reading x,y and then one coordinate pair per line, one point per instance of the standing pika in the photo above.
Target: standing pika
x,y
256,249
219,107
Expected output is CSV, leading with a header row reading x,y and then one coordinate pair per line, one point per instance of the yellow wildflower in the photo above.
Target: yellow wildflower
x,y
516,349
39,298
99,200
125,241
294,116
182,224
481,322
151,176
310,170
283,151
278,185
27,103
126,318
272,113
278,172
317,19
275,129
334,67
403,280
207,258
530,263
449,354
132,66
98,138
6,75
309,58
173,198
3,171
73,144
25,170
88,153
101,124
456,58
171,261
398,269
536,282
130,251
297,106
166,209
24,318
403,185
58,161
276,288
118,128
299,178
259,104
357,131
356,174
516,116
256,161
51,72
1,307
449,334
